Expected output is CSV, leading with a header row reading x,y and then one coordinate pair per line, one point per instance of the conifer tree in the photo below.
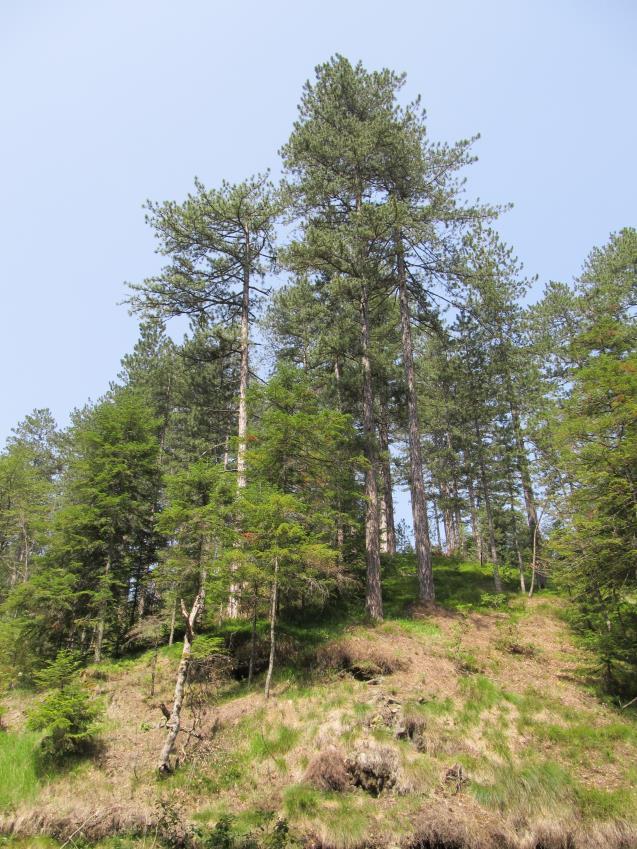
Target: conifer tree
x,y
333,161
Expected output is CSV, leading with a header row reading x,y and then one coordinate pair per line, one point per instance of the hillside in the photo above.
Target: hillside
x,y
465,724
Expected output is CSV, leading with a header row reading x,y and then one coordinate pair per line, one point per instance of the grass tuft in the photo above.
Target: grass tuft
x,y
18,768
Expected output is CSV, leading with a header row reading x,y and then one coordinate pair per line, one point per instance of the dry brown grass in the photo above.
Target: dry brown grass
x,y
420,711
362,657
328,771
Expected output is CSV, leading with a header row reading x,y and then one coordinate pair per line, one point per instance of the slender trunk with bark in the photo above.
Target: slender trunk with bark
x,y
173,615
244,376
244,370
475,521
387,502
514,528
253,639
173,723
273,608
489,513
418,499
523,469
382,526
373,595
437,525
99,630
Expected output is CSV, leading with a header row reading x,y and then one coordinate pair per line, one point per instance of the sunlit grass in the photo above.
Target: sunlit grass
x,y
18,768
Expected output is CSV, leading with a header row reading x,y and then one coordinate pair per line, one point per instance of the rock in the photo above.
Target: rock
x,y
373,767
455,778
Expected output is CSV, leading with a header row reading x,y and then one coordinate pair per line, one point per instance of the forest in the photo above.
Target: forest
x,y
225,513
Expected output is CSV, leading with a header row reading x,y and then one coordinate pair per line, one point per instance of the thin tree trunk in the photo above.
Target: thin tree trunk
x,y
461,530
514,524
153,671
244,371
244,376
456,518
523,468
99,631
475,521
487,509
253,639
171,635
418,500
437,525
373,595
382,524
273,608
534,562
387,503
174,722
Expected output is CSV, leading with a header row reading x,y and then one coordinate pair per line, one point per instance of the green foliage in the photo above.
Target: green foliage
x,y
594,437
67,718
227,835
495,601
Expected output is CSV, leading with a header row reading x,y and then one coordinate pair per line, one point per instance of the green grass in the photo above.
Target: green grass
x,y
460,585
578,740
432,706
597,804
343,818
41,842
413,627
273,743
480,694
537,785
18,768
301,800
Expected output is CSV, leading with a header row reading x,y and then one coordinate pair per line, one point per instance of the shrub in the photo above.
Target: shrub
x,y
327,771
67,716
224,836
360,658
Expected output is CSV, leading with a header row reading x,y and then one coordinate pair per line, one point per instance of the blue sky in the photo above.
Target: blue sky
x,y
105,104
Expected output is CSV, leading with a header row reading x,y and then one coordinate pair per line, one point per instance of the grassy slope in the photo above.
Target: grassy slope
x,y
497,692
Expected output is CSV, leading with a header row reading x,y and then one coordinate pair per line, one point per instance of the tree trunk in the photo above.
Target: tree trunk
x,y
534,561
418,500
447,519
523,469
171,635
244,376
273,607
373,596
437,524
382,524
253,639
99,630
475,521
497,581
244,371
174,722
387,501
514,528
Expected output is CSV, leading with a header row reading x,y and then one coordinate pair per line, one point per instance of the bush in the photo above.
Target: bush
x,y
327,771
362,659
224,836
67,716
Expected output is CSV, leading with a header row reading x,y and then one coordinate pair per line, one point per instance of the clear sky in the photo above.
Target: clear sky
x,y
105,103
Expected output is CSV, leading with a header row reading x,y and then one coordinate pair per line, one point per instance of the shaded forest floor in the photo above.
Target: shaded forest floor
x,y
471,723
